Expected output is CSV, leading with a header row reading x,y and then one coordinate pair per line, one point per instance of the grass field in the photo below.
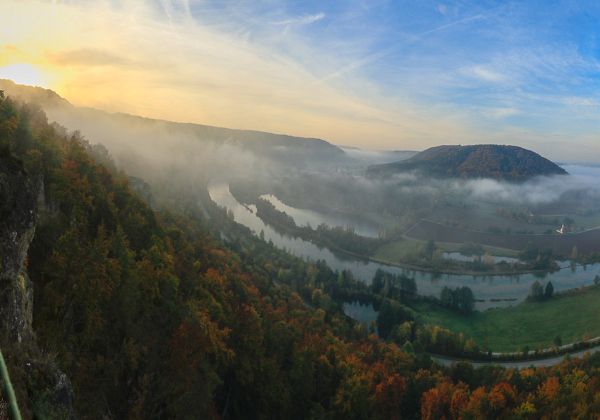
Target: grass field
x,y
396,251
572,317
586,222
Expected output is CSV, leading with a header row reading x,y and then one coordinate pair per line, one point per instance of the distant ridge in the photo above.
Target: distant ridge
x,y
296,150
500,162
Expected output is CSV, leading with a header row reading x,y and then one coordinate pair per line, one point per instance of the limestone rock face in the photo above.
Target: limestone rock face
x,y
18,200
36,378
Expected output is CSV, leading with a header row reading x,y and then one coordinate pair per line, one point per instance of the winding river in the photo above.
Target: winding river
x,y
490,291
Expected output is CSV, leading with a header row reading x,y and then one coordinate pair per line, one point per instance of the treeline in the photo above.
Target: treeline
x,y
335,238
538,292
539,259
399,287
460,299
278,219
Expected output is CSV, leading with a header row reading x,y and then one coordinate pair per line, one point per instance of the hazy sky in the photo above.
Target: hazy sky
x,y
375,74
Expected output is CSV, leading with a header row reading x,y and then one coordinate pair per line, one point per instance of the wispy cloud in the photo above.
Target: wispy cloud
x,y
301,20
581,101
485,74
88,57
450,25
500,112
376,56
356,64
442,9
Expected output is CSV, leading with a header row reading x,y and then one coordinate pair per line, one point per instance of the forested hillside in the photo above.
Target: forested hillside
x,y
151,315
510,163
124,128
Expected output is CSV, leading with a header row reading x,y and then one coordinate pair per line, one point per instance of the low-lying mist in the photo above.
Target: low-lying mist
x,y
305,172
540,190
156,150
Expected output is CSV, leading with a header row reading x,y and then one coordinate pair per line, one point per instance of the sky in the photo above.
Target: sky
x,y
388,75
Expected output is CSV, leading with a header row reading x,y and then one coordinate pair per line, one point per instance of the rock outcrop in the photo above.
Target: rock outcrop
x,y
17,227
38,381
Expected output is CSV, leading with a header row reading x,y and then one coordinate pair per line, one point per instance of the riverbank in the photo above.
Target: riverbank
x,y
458,272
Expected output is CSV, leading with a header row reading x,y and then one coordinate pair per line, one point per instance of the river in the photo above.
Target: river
x,y
490,291
305,217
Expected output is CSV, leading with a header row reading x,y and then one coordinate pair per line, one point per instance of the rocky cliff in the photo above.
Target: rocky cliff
x,y
41,387
17,226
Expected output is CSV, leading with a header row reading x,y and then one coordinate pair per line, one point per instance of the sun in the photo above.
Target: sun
x,y
25,74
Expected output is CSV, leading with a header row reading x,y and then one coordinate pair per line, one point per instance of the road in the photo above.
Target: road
x,y
551,361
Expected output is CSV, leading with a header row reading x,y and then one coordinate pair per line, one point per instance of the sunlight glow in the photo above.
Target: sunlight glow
x,y
25,74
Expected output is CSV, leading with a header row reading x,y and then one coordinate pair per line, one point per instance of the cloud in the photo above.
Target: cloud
x,y
356,64
88,57
541,190
580,101
371,157
378,55
442,9
500,112
584,180
301,20
450,25
485,74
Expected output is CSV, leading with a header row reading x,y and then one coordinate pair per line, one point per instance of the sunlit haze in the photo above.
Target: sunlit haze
x,y
25,74
378,75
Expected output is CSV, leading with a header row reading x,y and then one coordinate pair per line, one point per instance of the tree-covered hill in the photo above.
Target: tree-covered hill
x,y
150,315
509,163
290,150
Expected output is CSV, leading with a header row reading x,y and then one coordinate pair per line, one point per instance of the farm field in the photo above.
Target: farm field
x,y
586,242
483,215
533,324
396,251
588,221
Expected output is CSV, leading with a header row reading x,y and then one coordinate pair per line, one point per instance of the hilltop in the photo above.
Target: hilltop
x,y
509,163
34,94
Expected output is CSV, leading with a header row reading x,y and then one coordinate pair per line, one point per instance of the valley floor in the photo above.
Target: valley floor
x,y
396,251
573,317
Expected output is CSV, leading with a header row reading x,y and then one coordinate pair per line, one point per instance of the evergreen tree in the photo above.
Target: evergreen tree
x,y
549,291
